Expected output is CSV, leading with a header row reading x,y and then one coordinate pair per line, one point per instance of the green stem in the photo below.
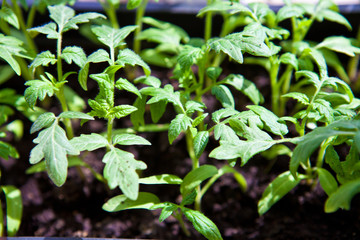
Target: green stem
x,y
110,129
208,24
1,221
178,217
67,122
140,12
275,94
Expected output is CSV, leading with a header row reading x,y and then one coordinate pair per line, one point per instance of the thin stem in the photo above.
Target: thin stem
x,y
208,24
110,129
140,12
178,216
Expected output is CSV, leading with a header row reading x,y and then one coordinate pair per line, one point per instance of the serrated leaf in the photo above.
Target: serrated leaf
x,y
251,44
270,120
224,6
223,113
199,119
120,171
229,46
225,133
202,224
166,212
333,16
163,94
188,56
123,84
300,97
277,189
48,29
224,95
43,121
61,14
144,200
81,18
251,132
179,124
245,86
290,59
342,197
289,11
99,56
122,111
195,177
112,37
43,59
14,209
193,106
53,145
327,181
240,149
339,44
38,89
200,141
74,54
150,81
129,139
161,179
129,57
9,16
89,142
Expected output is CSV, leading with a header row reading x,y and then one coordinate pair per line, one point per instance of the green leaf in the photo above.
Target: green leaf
x,y
47,29
245,86
129,139
123,84
161,179
312,141
43,59
253,132
289,11
144,200
195,177
112,37
157,110
232,7
45,120
224,95
339,44
120,170
229,46
188,56
327,181
6,151
83,76
99,56
290,59
61,14
14,209
53,145
202,224
243,149
163,94
167,211
9,16
200,141
223,113
122,111
89,142
300,97
251,44
129,57
76,54
224,133
270,120
276,190
333,16
75,115
137,117
342,197
81,18
132,4
149,80
38,89
179,124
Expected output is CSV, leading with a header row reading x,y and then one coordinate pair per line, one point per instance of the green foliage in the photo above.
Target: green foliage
x,y
313,111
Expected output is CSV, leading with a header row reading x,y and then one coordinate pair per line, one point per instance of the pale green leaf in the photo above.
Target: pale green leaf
x,y
289,11
339,44
195,177
277,189
179,124
99,56
48,29
223,113
245,86
74,54
129,139
43,121
128,57
61,14
9,16
112,37
224,133
224,95
300,97
157,110
161,179
232,7
38,89
144,200
43,59
188,56
132,4
14,209
120,170
270,120
123,84
229,46
81,18
53,145
75,115
163,94
290,59
89,142
121,111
